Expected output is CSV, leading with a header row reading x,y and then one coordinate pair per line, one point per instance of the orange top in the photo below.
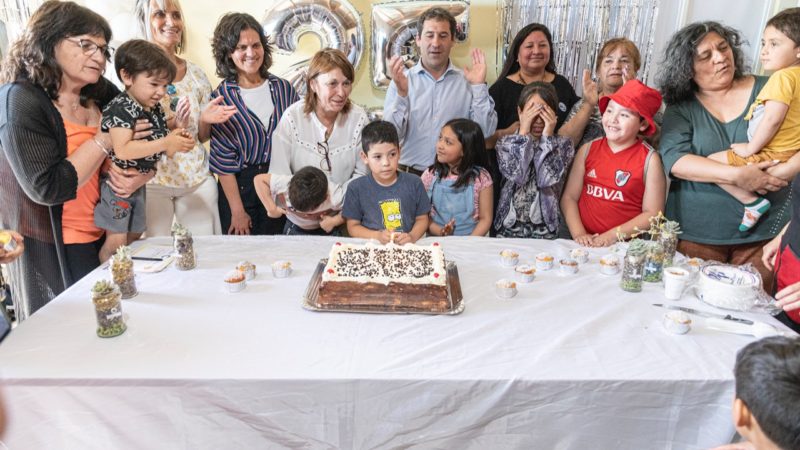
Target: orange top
x,y
77,220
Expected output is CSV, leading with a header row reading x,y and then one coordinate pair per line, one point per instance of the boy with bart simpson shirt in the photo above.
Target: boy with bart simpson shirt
x,y
385,205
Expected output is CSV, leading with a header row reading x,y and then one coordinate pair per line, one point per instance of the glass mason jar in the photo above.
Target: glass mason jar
x,y
108,309
632,268
184,247
669,242
653,262
122,274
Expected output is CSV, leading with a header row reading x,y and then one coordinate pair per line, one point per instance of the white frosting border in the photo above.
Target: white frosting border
x,y
437,256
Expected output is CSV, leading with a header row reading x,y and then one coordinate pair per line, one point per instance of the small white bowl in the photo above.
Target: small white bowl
x,y
677,322
609,264
281,269
505,288
235,281
569,267
544,261
525,273
509,258
580,254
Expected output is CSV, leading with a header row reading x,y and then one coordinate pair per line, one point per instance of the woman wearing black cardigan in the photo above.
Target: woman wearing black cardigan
x,y
52,74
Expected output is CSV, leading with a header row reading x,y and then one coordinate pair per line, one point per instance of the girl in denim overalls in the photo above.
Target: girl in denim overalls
x,y
459,187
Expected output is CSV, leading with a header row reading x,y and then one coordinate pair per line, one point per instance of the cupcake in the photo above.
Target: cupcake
x,y
525,273
509,258
580,254
569,267
694,264
247,268
609,264
281,269
677,322
235,280
544,261
505,288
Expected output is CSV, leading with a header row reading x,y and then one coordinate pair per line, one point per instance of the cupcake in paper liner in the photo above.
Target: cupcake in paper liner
x,y
569,267
544,261
281,269
580,254
525,273
609,264
247,268
509,258
235,281
505,288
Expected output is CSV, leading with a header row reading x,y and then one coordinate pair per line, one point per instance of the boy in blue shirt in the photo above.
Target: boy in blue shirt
x,y
385,205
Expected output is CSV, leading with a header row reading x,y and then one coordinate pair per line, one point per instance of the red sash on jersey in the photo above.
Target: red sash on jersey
x,y
613,185
787,271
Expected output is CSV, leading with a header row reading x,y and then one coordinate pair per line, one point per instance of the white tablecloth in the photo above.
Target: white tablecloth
x,y
570,363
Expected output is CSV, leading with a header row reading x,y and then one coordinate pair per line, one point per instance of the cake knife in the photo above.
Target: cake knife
x,y
697,312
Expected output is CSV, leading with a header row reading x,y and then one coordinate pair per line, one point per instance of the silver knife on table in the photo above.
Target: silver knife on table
x,y
697,312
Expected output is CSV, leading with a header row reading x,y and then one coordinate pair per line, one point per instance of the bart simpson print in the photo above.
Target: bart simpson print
x,y
392,219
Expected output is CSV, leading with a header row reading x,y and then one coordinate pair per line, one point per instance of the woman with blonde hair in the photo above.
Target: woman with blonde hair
x,y
324,130
183,189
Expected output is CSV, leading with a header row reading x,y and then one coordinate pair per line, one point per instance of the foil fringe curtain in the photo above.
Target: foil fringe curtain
x,y
14,15
579,28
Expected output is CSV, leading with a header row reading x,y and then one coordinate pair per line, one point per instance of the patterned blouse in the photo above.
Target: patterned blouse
x,y
243,140
535,171
184,170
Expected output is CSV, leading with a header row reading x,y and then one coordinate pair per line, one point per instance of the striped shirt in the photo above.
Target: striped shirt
x,y
244,140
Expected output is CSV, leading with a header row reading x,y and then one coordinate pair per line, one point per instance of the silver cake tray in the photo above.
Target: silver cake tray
x,y
454,294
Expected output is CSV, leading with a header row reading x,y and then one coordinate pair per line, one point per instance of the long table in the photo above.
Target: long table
x,y
570,363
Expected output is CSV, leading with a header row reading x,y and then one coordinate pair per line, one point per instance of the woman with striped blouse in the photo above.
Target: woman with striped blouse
x,y
241,148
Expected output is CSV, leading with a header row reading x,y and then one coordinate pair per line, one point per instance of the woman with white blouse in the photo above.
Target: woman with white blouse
x,y
183,188
324,130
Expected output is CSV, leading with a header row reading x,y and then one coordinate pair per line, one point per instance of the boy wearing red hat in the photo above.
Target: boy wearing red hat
x,y
617,182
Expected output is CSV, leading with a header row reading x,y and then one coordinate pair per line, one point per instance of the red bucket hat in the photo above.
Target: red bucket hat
x,y
638,97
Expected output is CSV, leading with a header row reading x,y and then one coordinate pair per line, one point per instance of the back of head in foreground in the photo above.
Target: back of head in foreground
x,y
767,404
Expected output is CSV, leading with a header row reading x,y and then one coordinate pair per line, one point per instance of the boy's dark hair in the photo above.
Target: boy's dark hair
x,y
473,147
768,382
139,56
545,90
438,14
308,189
378,132
788,23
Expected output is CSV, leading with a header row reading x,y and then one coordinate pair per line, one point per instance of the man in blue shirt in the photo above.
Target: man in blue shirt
x,y
423,98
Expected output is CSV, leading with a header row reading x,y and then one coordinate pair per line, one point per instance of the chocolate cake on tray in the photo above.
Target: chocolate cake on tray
x,y
390,278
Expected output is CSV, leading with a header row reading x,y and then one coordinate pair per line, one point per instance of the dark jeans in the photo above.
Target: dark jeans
x,y
262,224
290,229
82,258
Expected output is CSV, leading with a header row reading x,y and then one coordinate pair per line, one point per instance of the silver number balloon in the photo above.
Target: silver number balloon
x,y
336,23
394,27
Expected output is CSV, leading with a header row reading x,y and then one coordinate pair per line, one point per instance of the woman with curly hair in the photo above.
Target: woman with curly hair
x,y
707,92
241,147
52,149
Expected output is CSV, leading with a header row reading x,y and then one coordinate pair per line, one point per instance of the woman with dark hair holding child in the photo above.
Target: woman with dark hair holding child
x,y
51,149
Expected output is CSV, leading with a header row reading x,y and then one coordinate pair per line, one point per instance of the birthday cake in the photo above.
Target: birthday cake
x,y
391,278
